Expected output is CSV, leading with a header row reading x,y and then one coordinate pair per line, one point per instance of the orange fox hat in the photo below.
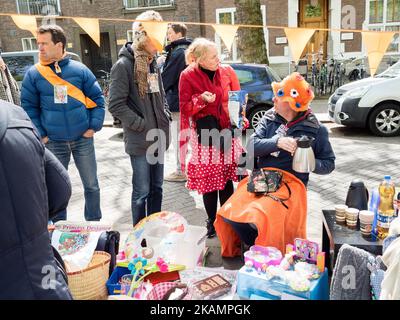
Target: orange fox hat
x,y
295,90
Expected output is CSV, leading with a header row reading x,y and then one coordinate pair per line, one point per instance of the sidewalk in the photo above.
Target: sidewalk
x,y
359,155
114,173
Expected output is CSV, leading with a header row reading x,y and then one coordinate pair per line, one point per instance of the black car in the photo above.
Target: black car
x,y
256,80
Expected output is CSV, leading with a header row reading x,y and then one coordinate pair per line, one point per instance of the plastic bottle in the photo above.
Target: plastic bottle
x,y
386,209
373,206
397,206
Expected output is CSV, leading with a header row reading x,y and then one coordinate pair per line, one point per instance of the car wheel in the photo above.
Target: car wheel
x,y
384,120
256,115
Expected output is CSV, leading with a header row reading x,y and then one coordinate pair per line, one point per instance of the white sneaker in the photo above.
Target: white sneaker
x,y
176,177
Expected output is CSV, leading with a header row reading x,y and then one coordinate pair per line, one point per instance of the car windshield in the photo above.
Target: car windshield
x,y
392,72
274,75
19,65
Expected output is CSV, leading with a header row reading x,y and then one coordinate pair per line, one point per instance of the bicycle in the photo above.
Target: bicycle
x,y
105,82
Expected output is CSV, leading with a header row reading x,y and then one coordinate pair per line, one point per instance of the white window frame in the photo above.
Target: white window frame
x,y
170,4
265,30
382,25
234,45
57,13
218,40
129,35
24,48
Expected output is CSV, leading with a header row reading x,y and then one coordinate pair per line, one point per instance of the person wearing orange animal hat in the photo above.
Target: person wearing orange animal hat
x,y
259,220
274,139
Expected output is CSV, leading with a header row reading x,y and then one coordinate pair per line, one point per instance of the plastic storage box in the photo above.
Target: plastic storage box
x,y
113,286
251,285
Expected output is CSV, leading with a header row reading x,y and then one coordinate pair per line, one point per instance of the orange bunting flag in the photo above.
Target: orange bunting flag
x,y
156,31
26,22
376,44
91,27
297,40
227,33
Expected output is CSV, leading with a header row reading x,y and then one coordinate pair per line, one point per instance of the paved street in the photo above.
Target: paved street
x,y
359,155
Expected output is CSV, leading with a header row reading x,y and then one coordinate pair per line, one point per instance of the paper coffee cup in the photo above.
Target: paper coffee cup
x,y
366,216
366,221
340,213
352,217
341,208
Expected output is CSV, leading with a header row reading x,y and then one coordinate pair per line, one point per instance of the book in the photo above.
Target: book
x,y
237,101
211,287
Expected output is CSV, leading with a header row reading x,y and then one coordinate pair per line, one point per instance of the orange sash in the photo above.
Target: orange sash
x,y
72,91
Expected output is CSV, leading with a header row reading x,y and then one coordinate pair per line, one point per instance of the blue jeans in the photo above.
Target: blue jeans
x,y
147,192
85,160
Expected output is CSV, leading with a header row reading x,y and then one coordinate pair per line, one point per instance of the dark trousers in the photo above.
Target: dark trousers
x,y
247,232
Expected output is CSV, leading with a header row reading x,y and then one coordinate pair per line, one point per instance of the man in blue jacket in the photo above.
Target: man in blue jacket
x,y
66,104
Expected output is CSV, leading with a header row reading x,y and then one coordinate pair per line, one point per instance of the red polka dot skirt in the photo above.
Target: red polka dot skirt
x,y
209,169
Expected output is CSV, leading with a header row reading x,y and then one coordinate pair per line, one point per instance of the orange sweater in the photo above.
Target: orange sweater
x,y
276,225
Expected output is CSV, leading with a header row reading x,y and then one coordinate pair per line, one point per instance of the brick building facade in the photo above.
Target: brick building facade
x,y
113,33
335,14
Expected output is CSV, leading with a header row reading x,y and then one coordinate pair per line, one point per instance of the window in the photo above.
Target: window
x,y
135,4
244,76
29,44
19,65
39,7
384,15
226,16
376,11
393,11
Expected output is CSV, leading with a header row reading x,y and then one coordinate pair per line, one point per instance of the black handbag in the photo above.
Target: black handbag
x,y
109,242
264,182
213,132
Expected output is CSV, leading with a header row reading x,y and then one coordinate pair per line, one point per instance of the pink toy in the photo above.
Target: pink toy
x,y
306,250
261,257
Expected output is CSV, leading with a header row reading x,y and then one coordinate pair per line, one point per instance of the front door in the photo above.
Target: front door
x,y
94,57
314,14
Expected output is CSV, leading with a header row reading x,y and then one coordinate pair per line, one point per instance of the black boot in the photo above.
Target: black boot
x,y
210,229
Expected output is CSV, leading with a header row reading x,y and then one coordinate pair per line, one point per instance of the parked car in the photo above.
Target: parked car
x,y
256,80
20,61
373,102
358,68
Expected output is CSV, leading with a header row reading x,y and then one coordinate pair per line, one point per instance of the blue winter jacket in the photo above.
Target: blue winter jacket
x,y
62,122
265,141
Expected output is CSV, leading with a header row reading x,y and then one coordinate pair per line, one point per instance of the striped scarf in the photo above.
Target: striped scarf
x,y
142,61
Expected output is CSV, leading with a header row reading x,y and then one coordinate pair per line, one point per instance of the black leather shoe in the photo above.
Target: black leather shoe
x,y
210,229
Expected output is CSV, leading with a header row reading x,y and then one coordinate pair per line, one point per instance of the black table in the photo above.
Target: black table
x,y
335,235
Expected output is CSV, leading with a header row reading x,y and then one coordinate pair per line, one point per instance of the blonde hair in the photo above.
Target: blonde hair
x,y
198,49
139,35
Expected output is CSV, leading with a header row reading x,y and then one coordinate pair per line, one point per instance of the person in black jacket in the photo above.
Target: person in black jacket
x,y
34,186
174,64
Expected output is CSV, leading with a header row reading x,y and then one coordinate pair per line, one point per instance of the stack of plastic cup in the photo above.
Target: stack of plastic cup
x,y
352,217
340,210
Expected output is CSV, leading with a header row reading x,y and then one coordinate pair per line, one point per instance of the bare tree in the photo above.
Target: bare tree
x,y
251,42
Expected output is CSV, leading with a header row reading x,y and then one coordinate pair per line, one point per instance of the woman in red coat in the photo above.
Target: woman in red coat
x,y
203,92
